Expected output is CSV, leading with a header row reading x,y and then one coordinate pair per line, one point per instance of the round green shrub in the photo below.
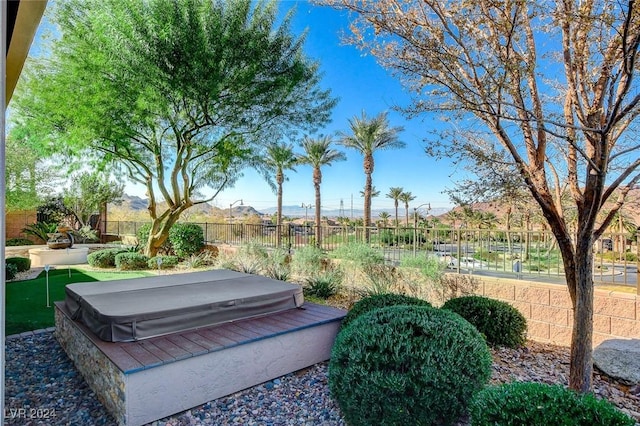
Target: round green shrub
x,y
142,234
540,404
377,301
104,258
12,242
404,365
168,262
22,263
130,261
501,323
186,239
10,271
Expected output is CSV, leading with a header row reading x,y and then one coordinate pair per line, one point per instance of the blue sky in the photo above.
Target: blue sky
x,y
361,85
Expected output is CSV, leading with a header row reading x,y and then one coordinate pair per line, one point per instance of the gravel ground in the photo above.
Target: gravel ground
x,y
43,388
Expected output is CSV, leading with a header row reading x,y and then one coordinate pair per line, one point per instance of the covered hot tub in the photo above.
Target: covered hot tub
x,y
129,310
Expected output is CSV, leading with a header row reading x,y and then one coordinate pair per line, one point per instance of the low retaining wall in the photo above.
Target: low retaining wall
x,y
547,308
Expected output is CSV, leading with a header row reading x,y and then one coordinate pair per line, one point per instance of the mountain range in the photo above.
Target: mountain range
x,y
630,210
135,203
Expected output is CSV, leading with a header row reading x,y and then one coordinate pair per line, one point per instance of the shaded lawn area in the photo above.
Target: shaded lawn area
x,y
26,301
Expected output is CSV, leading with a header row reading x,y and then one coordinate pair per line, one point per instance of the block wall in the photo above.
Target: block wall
x,y
547,308
17,220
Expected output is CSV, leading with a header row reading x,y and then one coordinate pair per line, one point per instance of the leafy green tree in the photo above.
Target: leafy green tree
x,y
89,192
176,93
318,153
552,85
394,193
368,135
28,174
406,198
279,157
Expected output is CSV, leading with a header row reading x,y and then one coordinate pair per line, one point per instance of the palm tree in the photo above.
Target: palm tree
x,y
454,216
384,216
374,192
486,220
279,157
367,136
394,194
406,198
318,153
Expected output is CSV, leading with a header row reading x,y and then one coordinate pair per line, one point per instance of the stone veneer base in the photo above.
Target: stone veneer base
x,y
138,382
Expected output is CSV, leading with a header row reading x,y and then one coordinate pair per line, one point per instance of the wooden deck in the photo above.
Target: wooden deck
x,y
193,367
131,357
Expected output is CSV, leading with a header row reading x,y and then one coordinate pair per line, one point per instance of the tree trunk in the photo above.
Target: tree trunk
x,y
159,233
578,273
317,179
406,214
527,240
368,188
279,180
582,337
396,205
508,226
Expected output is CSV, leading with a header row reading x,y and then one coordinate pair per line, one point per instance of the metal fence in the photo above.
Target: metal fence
x,y
509,253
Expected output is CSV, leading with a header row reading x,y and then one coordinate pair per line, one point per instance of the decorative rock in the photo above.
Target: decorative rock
x,y
301,398
620,359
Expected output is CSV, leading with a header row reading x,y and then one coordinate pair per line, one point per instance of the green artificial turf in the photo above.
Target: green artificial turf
x,y
26,301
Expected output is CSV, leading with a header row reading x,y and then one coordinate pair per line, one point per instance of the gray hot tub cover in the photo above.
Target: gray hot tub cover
x,y
127,310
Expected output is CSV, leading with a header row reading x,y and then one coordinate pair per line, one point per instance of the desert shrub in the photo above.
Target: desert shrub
x,y
501,323
541,404
186,239
12,242
404,365
386,237
202,259
613,256
488,256
250,258
86,235
430,267
131,261
378,301
359,253
324,284
308,261
277,265
211,250
22,263
167,262
354,258
10,270
226,260
400,237
278,271
382,279
104,258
